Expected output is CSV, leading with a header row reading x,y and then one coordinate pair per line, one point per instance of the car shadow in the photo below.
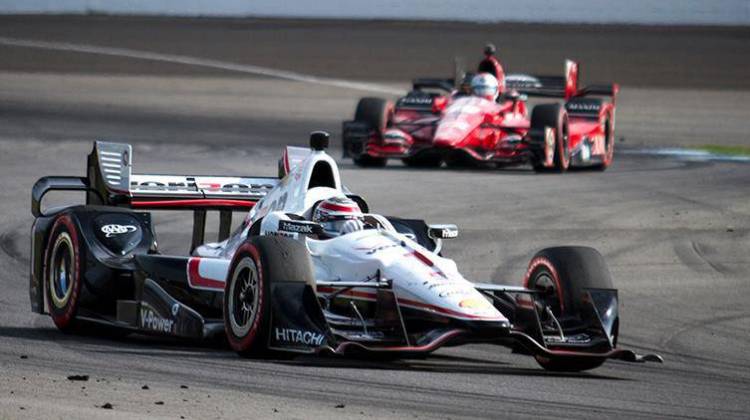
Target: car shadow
x,y
138,344
439,363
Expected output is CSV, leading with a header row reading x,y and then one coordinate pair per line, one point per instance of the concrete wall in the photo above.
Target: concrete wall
x,y
691,12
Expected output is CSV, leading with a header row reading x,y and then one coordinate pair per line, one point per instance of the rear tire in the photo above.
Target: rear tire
x,y
256,265
609,143
562,274
555,116
63,267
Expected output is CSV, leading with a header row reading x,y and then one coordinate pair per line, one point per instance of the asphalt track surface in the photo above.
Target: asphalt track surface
x,y
676,234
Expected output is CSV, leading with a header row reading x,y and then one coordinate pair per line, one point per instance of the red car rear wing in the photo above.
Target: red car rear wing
x,y
566,86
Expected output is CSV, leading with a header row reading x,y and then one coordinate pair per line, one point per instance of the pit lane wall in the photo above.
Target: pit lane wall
x,y
647,12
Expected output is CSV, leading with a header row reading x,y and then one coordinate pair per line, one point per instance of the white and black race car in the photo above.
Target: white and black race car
x,y
277,283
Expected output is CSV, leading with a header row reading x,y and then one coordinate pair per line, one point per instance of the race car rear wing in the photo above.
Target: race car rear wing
x,y
558,86
109,181
447,85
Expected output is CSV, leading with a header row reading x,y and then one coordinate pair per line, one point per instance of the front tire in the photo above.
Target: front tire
x,y
555,116
257,264
376,113
62,273
562,274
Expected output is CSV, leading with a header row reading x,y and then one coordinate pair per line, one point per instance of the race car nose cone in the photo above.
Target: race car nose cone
x,y
319,140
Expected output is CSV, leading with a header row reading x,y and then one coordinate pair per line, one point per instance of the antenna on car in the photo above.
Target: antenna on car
x,y
319,140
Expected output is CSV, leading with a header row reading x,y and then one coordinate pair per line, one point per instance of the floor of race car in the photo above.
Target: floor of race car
x,y
675,233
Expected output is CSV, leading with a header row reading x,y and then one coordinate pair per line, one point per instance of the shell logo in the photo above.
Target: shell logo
x,y
474,303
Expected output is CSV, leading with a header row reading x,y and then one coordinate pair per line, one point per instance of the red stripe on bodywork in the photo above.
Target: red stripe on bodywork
x,y
193,203
336,207
421,257
286,162
196,281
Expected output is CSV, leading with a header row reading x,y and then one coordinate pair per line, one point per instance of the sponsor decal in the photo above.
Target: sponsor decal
x,y
452,292
449,233
417,100
291,335
191,185
296,227
277,203
114,229
175,309
521,81
373,250
445,288
150,320
284,234
585,107
474,303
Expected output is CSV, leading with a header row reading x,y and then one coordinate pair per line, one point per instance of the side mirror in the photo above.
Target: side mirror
x,y
442,231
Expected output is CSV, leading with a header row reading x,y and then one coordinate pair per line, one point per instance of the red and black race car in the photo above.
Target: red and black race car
x,y
440,120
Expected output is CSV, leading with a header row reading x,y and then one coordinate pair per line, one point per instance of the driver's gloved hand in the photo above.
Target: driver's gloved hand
x,y
350,226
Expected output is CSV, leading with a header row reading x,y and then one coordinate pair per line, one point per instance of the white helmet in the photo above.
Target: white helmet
x,y
485,85
339,215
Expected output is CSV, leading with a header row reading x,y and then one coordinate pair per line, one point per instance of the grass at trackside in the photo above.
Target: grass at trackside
x,y
725,150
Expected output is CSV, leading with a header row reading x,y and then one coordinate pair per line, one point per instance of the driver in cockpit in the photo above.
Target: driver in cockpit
x,y
485,85
338,216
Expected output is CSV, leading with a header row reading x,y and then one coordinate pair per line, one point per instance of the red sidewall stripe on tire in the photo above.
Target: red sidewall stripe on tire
x,y
244,343
543,261
64,319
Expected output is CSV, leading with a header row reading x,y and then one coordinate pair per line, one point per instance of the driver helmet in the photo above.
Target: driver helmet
x,y
338,215
485,86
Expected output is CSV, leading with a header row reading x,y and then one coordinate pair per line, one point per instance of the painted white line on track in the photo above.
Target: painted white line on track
x,y
687,154
200,62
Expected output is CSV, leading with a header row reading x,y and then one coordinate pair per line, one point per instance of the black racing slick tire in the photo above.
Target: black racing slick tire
x,y
63,269
562,274
376,113
256,265
555,116
609,143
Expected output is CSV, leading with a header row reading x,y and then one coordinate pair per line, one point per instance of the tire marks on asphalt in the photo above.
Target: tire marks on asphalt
x,y
199,62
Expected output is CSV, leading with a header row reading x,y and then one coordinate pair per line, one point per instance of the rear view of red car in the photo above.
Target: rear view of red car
x,y
442,120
